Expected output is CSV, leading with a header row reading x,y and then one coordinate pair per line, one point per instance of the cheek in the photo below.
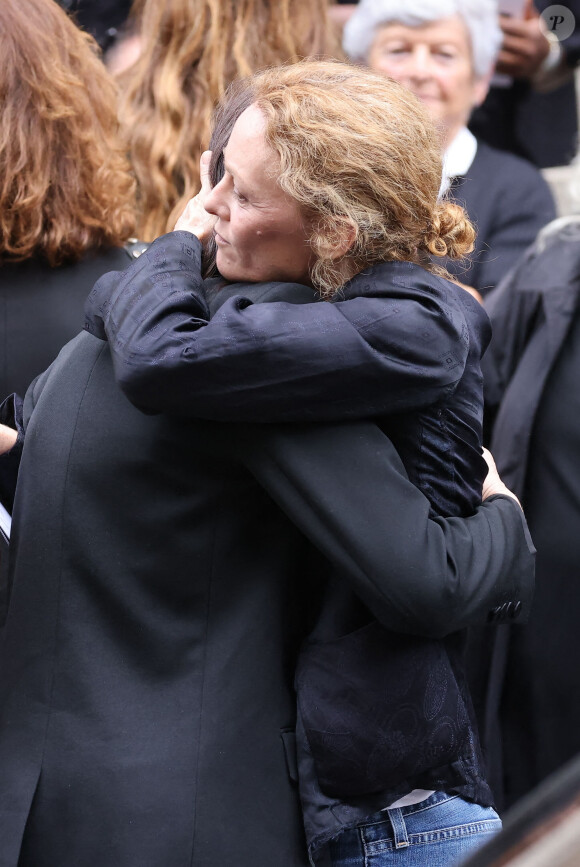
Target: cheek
x,y
268,235
459,87
447,89
243,229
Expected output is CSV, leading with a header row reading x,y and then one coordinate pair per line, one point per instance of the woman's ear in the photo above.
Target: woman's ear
x,y
340,237
480,89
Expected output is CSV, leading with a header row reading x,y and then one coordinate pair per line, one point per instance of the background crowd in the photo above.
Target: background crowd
x,y
104,158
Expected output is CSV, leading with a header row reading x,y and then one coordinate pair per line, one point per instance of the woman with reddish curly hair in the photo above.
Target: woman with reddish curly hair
x,y
66,192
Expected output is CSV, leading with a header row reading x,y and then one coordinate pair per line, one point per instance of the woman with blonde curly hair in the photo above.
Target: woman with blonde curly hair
x,y
190,51
66,192
324,183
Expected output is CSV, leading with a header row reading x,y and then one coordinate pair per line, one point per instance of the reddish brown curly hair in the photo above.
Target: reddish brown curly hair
x,y
65,182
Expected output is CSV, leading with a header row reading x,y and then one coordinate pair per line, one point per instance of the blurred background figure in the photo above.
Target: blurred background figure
x,y
103,19
444,51
530,681
531,108
543,830
66,192
534,112
190,51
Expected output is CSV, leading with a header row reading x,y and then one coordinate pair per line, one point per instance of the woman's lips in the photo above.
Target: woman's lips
x,y
219,240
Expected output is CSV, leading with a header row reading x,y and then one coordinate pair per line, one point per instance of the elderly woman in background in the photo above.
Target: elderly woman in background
x,y
444,51
67,199
190,51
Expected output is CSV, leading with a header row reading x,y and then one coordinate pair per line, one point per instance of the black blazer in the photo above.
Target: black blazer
x,y
354,676
397,343
159,597
41,309
532,312
509,202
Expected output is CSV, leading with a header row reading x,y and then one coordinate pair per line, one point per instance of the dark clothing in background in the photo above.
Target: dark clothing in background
x,y
542,127
531,312
41,309
541,707
509,202
532,371
101,18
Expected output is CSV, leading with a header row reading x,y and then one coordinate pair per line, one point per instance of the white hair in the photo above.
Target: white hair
x,y
480,17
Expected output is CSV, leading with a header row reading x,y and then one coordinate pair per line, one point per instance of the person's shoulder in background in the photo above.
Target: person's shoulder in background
x,y
509,201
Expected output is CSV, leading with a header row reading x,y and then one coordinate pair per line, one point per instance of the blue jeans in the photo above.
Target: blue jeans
x,y
441,831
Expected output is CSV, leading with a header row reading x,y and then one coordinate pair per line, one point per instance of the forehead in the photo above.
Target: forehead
x,y
247,142
450,30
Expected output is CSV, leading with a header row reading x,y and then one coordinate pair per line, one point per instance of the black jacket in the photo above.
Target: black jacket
x,y
397,343
41,309
353,677
163,578
509,202
532,312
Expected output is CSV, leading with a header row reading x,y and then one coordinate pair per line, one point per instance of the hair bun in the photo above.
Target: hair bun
x,y
451,234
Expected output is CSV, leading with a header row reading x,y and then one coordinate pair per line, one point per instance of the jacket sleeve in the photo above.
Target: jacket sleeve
x,y
275,361
344,486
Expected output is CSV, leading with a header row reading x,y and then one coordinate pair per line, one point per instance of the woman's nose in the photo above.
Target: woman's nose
x,y
215,201
420,63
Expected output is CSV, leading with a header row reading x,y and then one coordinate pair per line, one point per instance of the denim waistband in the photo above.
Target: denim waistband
x,y
455,827
401,824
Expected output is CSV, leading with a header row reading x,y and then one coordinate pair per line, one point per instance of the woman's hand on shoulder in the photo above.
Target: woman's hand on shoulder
x,y
493,483
195,218
472,291
7,438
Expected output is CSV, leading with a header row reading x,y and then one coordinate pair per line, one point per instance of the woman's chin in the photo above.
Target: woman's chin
x,y
228,272
233,274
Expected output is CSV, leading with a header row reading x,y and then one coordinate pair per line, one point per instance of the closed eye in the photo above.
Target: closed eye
x,y
394,51
446,53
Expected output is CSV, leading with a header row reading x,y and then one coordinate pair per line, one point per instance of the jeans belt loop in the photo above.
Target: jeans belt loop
x,y
399,827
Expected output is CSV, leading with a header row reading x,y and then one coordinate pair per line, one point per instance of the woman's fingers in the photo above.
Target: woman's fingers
x,y
204,162
493,483
195,218
7,438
